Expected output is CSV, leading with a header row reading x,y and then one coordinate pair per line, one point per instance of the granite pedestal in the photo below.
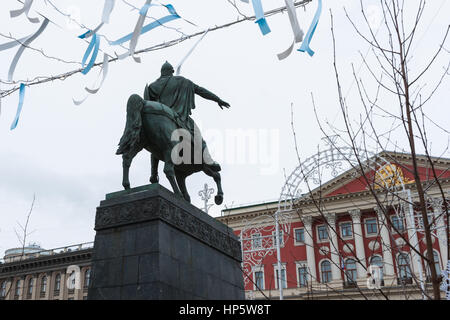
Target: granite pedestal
x,y
151,244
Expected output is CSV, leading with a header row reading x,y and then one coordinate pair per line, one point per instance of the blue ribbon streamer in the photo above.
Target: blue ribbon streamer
x,y
19,107
93,45
147,28
260,19
82,36
312,28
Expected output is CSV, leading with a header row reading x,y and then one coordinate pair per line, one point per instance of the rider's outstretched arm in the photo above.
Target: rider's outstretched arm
x,y
204,93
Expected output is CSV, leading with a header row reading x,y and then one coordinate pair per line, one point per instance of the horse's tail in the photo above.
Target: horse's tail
x,y
132,134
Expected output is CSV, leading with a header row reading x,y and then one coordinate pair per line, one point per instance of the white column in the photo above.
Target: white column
x,y
334,249
359,243
441,230
412,238
388,263
309,242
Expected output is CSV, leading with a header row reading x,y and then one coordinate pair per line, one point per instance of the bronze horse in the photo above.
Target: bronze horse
x,y
149,126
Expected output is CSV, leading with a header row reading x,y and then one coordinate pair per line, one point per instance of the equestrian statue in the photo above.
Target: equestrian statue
x,y
156,124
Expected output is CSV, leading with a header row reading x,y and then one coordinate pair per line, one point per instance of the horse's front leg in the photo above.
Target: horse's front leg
x,y
154,178
170,174
181,180
218,199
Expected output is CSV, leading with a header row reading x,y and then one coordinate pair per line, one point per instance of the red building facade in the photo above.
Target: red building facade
x,y
332,235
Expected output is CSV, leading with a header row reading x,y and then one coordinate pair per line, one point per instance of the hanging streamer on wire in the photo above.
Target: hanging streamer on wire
x,y
312,28
104,70
24,45
260,19
173,15
136,33
19,107
25,9
107,9
140,29
93,47
178,68
12,44
298,32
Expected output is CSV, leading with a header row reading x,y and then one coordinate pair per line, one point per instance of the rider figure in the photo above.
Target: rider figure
x,y
178,93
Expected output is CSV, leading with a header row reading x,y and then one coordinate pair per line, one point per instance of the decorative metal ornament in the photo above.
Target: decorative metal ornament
x,y
258,236
205,195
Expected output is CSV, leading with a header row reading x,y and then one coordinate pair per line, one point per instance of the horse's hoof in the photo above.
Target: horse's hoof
x,y
126,186
187,198
154,179
218,199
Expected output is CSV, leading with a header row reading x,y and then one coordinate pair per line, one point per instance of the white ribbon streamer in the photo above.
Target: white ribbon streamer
x,y
23,46
104,70
137,32
107,9
298,32
25,9
178,68
12,44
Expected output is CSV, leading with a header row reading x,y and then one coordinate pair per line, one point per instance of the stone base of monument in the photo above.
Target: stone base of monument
x,y
151,244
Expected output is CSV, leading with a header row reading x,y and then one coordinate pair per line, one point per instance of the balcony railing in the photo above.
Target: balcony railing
x,y
46,253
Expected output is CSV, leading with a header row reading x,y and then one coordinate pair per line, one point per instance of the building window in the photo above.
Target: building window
x,y
259,280
325,271
437,265
283,279
3,290
302,276
322,233
371,226
280,235
299,235
71,283
404,269
44,284
350,271
346,230
431,222
256,241
58,282
18,287
30,286
378,261
397,223
87,278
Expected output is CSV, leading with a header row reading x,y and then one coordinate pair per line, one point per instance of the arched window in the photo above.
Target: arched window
x,y
350,270
404,268
3,289
325,271
44,284
378,261
58,282
72,281
30,286
87,278
18,287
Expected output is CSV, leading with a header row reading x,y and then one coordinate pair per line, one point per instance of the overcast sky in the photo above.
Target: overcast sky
x,y
65,154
